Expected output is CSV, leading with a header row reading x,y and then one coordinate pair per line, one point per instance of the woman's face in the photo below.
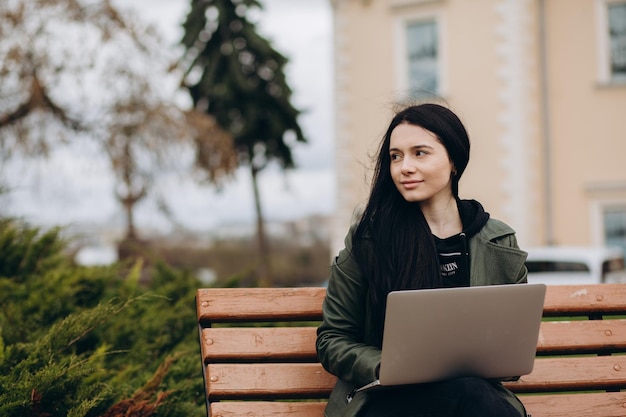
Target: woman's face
x,y
420,165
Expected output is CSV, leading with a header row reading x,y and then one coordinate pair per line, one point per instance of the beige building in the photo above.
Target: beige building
x,y
540,86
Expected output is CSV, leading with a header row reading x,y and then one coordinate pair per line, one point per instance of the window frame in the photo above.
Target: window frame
x,y
599,207
605,77
401,23
617,208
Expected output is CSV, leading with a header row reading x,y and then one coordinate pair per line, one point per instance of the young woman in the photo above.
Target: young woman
x,y
414,233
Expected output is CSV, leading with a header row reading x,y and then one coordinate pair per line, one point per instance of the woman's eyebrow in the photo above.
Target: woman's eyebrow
x,y
412,147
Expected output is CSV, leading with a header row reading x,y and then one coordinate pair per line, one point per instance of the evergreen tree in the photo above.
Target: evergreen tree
x,y
236,76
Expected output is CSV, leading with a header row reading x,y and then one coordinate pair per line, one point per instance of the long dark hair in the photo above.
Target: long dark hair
x,y
392,243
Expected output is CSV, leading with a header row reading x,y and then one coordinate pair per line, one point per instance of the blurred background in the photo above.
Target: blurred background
x,y
72,180
295,100
152,147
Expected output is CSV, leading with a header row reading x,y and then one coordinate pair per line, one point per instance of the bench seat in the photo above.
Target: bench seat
x,y
252,367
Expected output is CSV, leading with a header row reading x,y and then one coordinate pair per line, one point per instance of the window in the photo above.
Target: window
x,y
422,55
611,25
419,48
617,40
615,227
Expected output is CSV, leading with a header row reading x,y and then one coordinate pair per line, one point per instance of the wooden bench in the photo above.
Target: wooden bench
x,y
253,368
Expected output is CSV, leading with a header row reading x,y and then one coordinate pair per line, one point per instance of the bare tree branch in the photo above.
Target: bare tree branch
x,y
97,73
38,99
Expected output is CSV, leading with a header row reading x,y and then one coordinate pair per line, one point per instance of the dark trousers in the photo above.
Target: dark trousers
x,y
463,397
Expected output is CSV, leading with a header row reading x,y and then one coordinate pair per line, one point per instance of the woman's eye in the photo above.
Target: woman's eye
x,y
421,153
395,156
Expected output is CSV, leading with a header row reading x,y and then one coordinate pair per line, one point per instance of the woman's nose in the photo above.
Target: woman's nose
x,y
408,166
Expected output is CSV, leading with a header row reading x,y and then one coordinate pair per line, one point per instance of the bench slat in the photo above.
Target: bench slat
x,y
298,343
268,381
258,343
267,409
573,373
585,299
575,405
245,304
559,405
597,336
280,380
262,304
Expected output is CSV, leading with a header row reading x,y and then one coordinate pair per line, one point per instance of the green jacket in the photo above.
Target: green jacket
x,y
343,339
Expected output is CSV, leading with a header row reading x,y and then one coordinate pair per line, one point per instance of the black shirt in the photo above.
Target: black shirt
x,y
453,260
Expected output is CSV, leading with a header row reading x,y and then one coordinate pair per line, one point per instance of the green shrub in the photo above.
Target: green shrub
x,y
93,341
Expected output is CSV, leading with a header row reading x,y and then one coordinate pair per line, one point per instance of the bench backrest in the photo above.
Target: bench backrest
x,y
251,362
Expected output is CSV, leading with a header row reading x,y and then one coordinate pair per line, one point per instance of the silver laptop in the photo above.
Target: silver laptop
x,y
434,335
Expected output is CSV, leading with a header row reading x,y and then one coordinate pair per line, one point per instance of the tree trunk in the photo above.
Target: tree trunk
x,y
130,219
263,268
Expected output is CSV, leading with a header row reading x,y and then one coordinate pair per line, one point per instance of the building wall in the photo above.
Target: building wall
x,y
588,122
547,135
363,84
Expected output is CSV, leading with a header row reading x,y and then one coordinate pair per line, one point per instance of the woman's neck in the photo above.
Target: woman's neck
x,y
443,217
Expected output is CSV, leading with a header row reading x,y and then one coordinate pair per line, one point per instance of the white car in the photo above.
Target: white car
x,y
565,265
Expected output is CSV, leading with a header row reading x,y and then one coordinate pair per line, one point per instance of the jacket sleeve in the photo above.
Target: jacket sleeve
x,y
340,337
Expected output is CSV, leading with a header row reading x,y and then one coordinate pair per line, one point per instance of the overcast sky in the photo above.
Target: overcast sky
x,y
55,192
